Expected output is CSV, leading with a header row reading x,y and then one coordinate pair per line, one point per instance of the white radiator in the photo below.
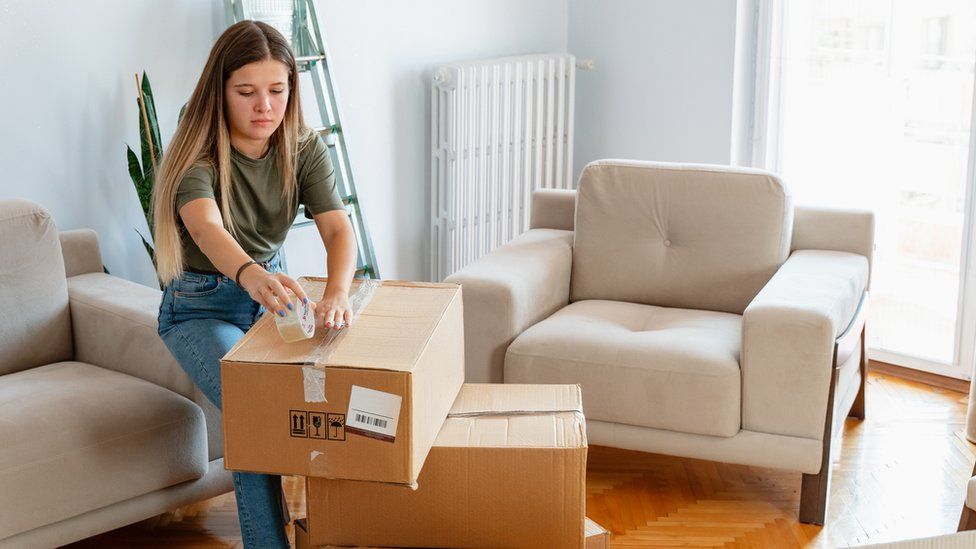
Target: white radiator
x,y
500,128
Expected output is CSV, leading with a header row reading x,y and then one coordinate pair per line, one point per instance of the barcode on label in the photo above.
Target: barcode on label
x,y
370,420
373,413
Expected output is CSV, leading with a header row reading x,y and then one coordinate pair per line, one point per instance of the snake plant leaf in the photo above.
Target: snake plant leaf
x,y
135,171
142,185
149,250
147,94
143,142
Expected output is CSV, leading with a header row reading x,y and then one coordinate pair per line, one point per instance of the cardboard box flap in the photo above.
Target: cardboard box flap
x,y
390,333
512,415
483,399
552,430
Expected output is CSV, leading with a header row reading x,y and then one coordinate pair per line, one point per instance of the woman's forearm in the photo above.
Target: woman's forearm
x,y
341,260
221,249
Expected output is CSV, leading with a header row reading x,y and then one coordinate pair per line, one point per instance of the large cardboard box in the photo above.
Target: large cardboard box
x,y
367,408
508,469
596,537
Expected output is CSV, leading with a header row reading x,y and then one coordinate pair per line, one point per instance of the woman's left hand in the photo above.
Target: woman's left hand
x,y
333,311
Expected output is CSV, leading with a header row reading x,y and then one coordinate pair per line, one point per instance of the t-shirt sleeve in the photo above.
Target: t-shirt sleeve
x,y
317,181
196,183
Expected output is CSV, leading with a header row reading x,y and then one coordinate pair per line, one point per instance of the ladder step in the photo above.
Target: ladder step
x,y
309,59
327,130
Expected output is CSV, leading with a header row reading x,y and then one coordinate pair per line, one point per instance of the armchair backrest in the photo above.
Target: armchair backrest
x,y
35,324
678,235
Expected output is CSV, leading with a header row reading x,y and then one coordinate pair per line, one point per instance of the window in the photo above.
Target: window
x,y
868,105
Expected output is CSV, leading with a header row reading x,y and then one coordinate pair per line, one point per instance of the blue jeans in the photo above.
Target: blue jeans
x,y
200,318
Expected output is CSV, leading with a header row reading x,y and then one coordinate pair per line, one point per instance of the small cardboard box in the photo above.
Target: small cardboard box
x,y
367,409
596,536
508,469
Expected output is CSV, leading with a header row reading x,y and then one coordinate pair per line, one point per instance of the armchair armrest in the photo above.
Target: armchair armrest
x,y
114,326
553,209
79,248
510,289
788,336
839,229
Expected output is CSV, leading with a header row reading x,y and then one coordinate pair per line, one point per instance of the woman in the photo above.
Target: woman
x,y
228,189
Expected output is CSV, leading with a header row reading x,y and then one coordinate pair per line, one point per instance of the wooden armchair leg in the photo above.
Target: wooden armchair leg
x,y
813,497
857,409
814,489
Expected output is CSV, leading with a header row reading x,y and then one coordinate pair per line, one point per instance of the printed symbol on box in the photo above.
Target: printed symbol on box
x,y
316,425
337,426
299,423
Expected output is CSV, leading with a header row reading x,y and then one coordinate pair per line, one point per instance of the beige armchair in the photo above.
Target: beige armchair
x,y
701,313
99,426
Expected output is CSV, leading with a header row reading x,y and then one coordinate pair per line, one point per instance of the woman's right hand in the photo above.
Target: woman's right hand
x,y
271,289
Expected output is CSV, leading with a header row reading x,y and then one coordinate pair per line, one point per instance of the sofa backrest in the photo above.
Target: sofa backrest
x,y
678,235
35,324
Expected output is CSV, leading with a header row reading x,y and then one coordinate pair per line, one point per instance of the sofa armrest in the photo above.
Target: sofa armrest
x,y
553,209
788,336
79,248
114,326
510,289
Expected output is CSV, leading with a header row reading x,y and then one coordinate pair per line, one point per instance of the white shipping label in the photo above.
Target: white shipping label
x,y
373,413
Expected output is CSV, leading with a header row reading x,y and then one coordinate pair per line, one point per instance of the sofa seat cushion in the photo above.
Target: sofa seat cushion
x,y
643,365
76,437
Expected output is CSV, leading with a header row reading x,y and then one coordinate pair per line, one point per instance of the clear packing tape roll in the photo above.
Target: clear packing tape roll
x,y
313,371
298,323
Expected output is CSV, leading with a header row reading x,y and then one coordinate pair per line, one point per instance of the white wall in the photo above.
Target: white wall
x,y
662,86
69,105
381,55
662,89
68,101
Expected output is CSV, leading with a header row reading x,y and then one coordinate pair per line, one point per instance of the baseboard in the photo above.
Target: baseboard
x,y
935,380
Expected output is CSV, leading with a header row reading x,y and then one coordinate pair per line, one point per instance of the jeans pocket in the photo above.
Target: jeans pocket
x,y
193,285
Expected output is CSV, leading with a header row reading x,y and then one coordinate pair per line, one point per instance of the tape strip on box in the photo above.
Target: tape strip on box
x,y
313,372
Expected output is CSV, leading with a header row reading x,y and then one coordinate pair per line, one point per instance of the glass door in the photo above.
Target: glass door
x,y
872,109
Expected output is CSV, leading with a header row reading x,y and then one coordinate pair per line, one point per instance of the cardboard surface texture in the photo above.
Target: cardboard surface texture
x,y
508,469
366,405
596,537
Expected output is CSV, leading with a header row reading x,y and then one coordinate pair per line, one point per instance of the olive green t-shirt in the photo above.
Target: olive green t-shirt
x,y
260,215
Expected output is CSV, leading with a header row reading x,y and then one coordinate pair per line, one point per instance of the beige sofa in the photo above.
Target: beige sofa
x,y
99,426
701,312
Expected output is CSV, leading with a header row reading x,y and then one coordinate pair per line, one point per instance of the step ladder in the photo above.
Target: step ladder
x,y
296,20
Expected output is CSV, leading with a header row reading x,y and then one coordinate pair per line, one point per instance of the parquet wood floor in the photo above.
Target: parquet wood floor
x,y
899,474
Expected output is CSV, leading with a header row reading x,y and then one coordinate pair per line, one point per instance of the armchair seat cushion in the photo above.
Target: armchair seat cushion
x,y
643,365
76,437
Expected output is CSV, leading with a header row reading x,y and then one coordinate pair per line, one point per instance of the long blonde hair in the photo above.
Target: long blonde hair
x,y
202,138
